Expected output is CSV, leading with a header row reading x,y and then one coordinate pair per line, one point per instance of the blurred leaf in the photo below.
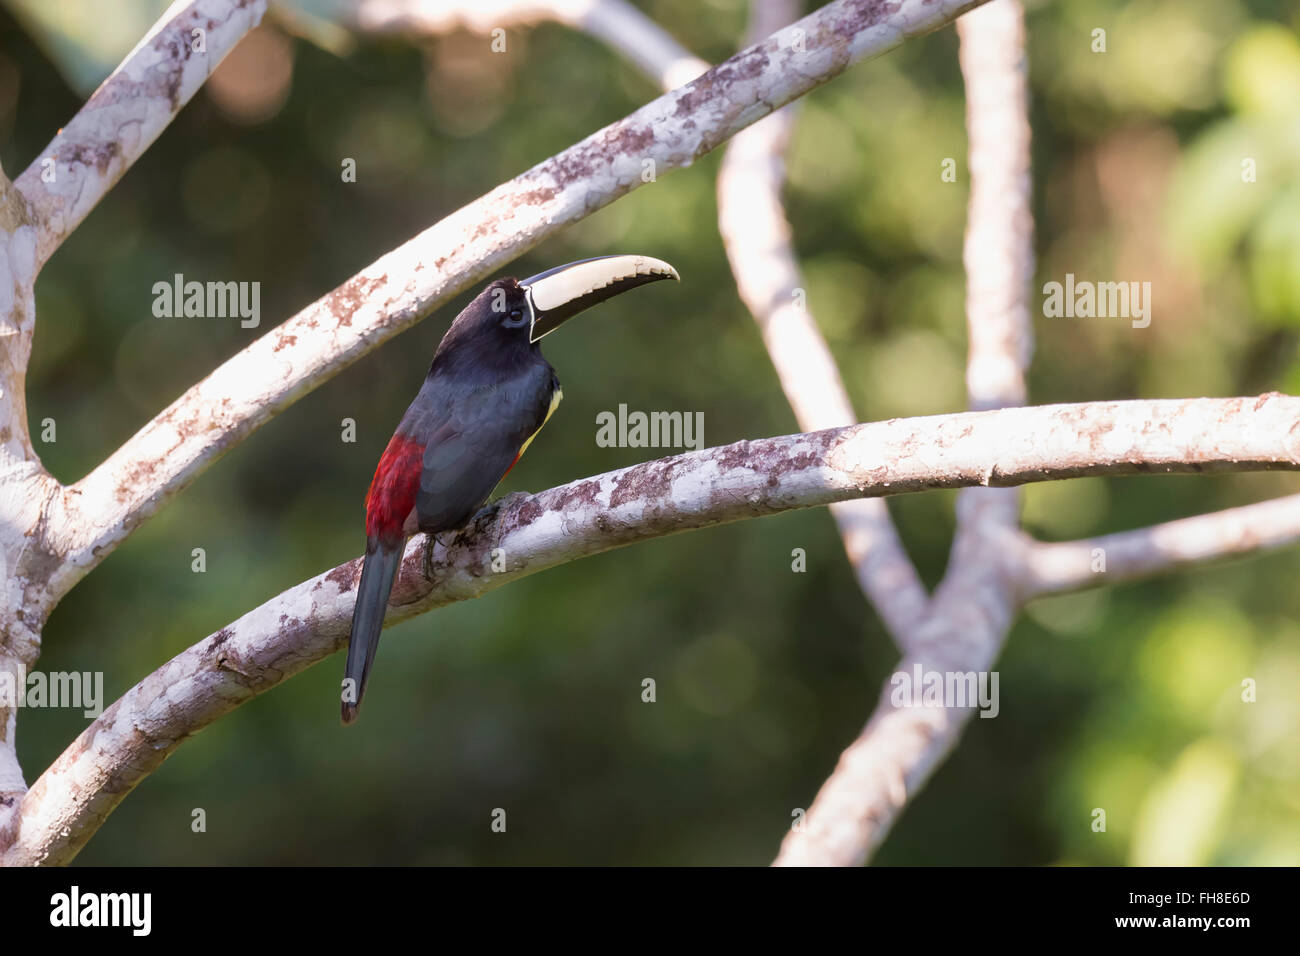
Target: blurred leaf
x,y
1181,819
87,39
1262,71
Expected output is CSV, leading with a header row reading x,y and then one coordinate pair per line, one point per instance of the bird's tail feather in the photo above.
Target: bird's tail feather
x,y
377,574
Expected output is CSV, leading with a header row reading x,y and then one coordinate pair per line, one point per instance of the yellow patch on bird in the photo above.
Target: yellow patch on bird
x,y
556,398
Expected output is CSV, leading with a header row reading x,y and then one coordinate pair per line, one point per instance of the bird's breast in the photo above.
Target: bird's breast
x,y
557,396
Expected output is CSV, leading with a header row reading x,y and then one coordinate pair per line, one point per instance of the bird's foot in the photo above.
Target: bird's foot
x,y
487,515
509,501
430,542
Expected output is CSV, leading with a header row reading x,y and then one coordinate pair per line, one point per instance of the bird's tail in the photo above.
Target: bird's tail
x,y
377,574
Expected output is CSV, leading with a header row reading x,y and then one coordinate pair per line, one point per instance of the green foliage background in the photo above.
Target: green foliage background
x,y
1126,699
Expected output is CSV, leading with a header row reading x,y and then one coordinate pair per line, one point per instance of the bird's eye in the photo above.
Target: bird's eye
x,y
516,314
515,319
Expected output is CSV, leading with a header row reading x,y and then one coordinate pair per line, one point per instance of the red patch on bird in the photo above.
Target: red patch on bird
x,y
519,454
392,491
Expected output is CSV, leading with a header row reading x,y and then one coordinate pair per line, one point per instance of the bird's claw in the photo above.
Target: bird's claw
x,y
509,501
430,541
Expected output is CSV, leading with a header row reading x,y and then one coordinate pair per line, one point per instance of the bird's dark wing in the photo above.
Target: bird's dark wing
x,y
473,443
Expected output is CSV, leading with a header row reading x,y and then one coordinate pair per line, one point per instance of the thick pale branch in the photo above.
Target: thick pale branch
x,y
37,212
999,248
25,486
882,770
129,111
695,490
397,290
967,621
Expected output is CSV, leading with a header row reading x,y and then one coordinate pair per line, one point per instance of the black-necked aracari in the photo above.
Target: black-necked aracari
x,y
488,393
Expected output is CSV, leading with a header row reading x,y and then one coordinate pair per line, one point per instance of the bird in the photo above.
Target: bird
x,y
487,394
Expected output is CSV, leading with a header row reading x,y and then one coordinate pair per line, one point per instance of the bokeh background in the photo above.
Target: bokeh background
x,y
530,698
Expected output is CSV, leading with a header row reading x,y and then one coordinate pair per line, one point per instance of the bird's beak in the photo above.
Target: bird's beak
x,y
558,294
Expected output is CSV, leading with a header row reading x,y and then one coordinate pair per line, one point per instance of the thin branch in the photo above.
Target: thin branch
x,y
129,111
642,41
756,234
400,288
695,490
966,622
617,23
1059,568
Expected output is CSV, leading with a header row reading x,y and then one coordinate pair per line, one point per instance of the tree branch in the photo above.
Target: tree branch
x,y
1059,568
617,23
966,623
400,288
994,568
757,237
129,111
25,486
748,479
37,212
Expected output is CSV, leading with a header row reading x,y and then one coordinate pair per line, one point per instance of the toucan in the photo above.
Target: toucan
x,y
488,393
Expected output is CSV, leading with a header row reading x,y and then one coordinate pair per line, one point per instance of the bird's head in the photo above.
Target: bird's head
x,y
519,312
